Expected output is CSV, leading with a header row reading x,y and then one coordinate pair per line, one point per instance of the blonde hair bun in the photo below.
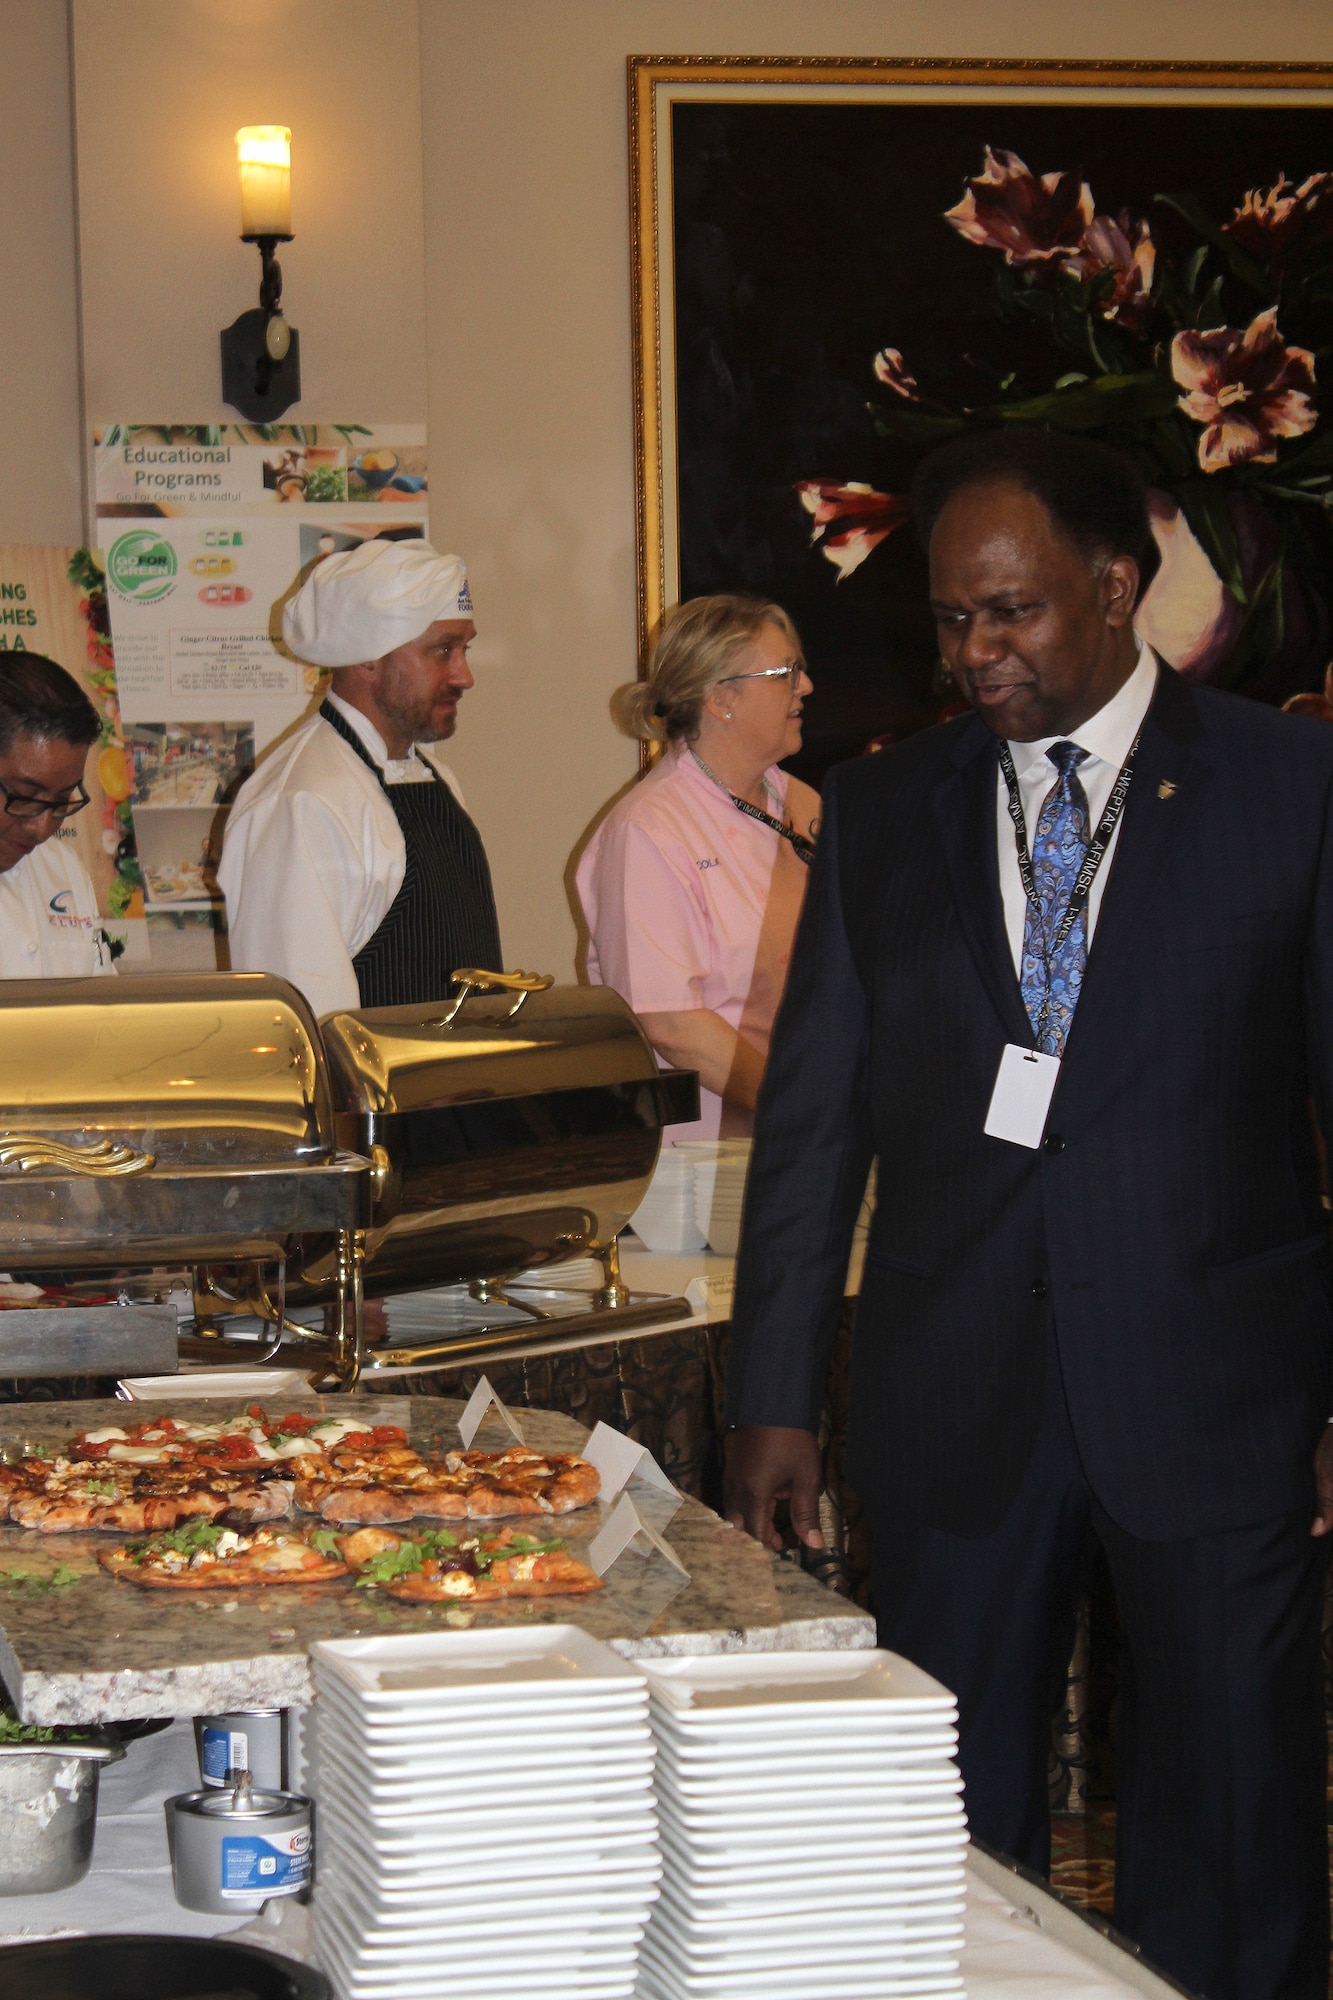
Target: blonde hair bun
x,y
696,647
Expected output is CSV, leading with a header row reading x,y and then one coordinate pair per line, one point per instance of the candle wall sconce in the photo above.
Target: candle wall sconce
x,y
261,353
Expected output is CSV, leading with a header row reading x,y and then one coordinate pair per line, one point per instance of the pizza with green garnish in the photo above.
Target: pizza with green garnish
x,y
438,1567
203,1556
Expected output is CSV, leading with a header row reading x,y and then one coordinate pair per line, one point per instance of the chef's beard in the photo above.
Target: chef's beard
x,y
421,720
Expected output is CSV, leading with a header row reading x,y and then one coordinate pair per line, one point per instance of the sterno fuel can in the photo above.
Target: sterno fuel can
x,y
233,1850
246,1739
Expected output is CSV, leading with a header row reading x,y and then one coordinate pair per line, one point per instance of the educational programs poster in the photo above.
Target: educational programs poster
x,y
53,601
205,530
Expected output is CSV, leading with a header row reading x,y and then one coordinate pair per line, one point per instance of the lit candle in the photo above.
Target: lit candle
x,y
264,155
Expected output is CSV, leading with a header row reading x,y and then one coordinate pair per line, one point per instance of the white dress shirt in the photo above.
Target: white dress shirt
x,y
49,925
313,856
1107,737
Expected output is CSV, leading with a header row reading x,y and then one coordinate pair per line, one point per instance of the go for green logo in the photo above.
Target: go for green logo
x,y
142,565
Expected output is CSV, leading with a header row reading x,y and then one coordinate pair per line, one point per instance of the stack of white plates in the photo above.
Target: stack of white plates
x,y
485,1821
812,1830
664,1219
720,1168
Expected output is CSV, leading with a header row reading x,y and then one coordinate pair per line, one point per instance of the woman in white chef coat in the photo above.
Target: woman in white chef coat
x,y
49,925
350,865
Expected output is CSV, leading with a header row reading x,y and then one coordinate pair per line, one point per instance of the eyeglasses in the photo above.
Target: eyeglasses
x,y
791,674
20,805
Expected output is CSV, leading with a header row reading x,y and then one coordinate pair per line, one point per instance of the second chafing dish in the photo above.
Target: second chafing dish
x,y
503,1131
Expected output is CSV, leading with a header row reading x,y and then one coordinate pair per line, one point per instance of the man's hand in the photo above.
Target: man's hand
x,y
766,1463
1323,1483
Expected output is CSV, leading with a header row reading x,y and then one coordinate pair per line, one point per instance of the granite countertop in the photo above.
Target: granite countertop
x,y
99,1649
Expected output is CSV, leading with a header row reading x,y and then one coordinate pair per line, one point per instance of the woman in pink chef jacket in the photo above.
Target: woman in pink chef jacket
x,y
693,883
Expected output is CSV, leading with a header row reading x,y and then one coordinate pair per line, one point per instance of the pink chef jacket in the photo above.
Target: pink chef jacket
x,y
691,903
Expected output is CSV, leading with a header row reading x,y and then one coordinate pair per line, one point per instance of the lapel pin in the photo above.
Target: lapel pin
x,y
1166,790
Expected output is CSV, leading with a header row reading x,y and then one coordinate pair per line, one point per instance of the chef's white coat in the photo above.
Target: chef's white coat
x,y
49,926
313,857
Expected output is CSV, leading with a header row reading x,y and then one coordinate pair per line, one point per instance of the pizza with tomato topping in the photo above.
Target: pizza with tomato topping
x,y
248,1469
376,1485
236,1444
438,1567
204,1556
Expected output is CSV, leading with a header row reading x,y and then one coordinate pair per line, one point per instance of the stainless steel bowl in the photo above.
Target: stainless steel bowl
x,y
48,1812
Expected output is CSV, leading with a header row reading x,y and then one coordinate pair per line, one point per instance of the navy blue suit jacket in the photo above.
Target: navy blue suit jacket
x,y
1171,1222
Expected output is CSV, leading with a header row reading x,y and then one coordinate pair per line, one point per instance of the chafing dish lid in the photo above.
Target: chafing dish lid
x,y
218,1069
387,1059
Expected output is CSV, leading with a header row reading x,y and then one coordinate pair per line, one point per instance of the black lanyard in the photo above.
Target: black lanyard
x,y
803,849
1092,860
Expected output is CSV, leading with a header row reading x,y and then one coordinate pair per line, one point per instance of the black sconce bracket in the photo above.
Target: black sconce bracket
x,y
252,381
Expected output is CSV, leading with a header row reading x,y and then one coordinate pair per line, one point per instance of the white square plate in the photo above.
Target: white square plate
x,y
475,1954
574,1704
859,1787
470,1860
675,1983
453,1666
741,1685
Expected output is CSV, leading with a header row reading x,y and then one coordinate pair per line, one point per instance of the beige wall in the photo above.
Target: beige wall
x,y
527,227
160,88
499,308
41,461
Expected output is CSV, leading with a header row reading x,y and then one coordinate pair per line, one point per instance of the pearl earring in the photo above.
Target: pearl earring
x,y
728,715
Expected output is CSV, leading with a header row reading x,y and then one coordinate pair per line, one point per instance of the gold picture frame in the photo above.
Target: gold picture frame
x,y
658,83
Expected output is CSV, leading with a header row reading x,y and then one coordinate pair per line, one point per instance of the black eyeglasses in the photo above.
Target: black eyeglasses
x,y
21,805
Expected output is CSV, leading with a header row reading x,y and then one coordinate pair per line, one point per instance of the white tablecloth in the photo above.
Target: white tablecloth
x,y
1018,1941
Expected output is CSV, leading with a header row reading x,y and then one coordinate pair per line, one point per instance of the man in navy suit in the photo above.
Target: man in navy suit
x,y
1066,972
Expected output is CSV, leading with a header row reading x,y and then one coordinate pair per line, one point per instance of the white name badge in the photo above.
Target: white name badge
x,y
1024,1086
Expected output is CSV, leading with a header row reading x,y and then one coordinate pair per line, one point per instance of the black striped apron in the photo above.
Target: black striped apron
x,y
443,917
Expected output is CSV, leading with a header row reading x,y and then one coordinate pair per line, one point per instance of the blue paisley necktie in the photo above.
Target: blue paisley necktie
x,y
1058,849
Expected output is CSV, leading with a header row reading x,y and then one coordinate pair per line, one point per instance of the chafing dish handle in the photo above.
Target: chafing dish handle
x,y
677,1093
474,979
34,1155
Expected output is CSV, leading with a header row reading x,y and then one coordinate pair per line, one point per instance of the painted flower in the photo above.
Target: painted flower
x,y
892,370
1033,220
1127,249
1187,614
1283,218
849,521
1246,387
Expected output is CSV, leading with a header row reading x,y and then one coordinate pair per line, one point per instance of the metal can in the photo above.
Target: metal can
x,y
234,1850
247,1739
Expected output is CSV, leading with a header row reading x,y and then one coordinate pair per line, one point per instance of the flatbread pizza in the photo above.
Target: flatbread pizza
x,y
438,1567
377,1485
203,1556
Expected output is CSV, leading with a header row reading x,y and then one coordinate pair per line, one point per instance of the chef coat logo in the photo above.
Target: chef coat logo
x,y
61,914
142,566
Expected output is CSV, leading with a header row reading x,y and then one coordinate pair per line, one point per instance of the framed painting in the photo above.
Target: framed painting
x,y
839,264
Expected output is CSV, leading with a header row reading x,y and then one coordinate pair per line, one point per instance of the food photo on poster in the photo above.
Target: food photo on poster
x,y
205,530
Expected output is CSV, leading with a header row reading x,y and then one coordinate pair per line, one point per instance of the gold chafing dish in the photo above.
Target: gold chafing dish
x,y
208,1122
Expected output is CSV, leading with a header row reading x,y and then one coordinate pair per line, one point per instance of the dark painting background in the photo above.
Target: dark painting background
x,y
807,237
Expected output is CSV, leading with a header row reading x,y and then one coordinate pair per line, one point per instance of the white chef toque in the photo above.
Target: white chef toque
x,y
361,603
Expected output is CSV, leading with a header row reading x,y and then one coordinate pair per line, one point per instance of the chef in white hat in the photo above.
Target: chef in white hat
x,y
350,865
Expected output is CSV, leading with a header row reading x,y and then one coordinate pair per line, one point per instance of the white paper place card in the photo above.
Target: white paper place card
x,y
483,1398
624,1526
712,1294
619,1459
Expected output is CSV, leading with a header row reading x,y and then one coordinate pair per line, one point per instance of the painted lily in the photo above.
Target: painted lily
x,y
1128,250
892,370
849,520
1272,223
1033,220
1246,387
